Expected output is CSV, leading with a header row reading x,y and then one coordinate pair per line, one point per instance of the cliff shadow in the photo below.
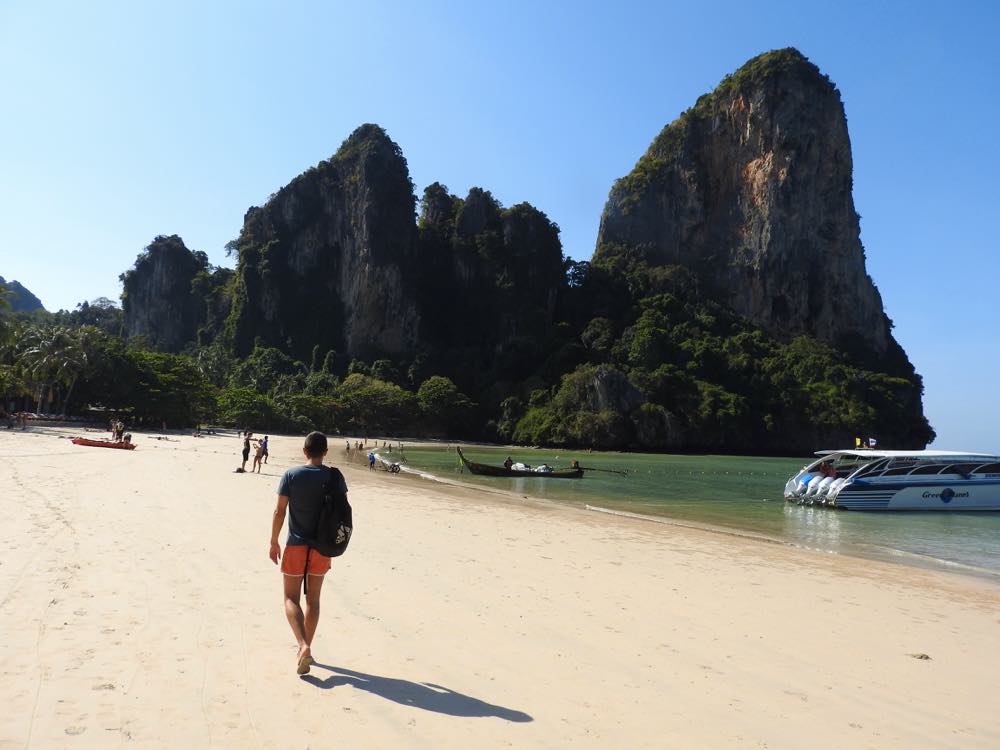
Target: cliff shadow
x,y
423,695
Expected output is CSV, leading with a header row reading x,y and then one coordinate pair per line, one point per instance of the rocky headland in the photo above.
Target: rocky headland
x,y
727,305
752,187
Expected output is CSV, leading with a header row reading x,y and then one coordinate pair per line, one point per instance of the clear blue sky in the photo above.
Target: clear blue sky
x,y
120,121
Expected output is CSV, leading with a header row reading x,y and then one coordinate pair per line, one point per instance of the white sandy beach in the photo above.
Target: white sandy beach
x,y
138,608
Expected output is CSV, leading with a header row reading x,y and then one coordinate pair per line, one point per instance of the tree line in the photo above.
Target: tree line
x,y
79,363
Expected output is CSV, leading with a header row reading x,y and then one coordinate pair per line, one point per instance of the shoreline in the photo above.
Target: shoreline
x,y
447,484
885,554
140,607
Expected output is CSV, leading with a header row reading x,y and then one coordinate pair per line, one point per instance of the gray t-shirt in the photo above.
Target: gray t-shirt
x,y
304,487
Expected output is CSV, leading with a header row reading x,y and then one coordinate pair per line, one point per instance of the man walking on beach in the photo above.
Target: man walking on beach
x,y
301,492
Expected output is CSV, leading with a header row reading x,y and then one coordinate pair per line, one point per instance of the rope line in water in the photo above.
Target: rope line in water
x,y
678,473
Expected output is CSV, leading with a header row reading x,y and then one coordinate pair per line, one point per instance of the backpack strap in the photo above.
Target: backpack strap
x,y
305,573
333,474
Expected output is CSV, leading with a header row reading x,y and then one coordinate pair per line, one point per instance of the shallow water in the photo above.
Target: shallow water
x,y
741,493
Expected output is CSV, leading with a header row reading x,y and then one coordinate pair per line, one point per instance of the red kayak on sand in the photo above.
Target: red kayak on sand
x,y
103,443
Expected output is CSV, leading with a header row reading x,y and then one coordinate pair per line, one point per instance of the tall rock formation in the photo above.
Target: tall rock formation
x,y
501,263
326,261
159,299
496,270
19,297
751,188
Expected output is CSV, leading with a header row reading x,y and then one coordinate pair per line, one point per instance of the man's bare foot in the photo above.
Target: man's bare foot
x,y
305,660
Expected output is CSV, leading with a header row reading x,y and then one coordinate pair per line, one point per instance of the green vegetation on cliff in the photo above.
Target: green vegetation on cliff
x,y
488,282
669,369
668,148
650,370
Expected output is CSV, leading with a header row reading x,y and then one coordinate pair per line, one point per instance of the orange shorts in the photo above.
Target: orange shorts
x,y
293,562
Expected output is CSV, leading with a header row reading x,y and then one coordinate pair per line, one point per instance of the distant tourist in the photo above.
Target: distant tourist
x,y
508,463
258,455
371,460
246,450
264,446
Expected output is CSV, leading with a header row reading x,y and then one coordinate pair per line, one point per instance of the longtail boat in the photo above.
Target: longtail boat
x,y
103,443
500,471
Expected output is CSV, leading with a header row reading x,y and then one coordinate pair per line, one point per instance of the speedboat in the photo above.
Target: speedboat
x,y
863,479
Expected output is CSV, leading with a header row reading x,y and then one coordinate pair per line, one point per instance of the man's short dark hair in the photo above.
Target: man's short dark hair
x,y
315,444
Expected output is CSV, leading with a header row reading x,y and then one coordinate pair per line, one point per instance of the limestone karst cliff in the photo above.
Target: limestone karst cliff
x,y
726,308
740,216
336,260
159,297
173,297
751,187
19,298
497,271
327,260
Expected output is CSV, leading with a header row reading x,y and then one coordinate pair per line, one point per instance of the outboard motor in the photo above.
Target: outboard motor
x,y
824,486
812,486
802,483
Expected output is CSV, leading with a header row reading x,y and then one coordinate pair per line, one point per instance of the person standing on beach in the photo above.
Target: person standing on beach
x,y
258,455
264,446
301,492
246,450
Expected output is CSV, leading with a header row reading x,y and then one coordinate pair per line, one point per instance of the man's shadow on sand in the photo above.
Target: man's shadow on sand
x,y
423,695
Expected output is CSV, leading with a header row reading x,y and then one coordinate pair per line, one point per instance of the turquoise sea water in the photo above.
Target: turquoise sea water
x,y
739,493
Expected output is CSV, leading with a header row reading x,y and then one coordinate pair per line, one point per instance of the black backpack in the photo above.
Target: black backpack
x,y
335,520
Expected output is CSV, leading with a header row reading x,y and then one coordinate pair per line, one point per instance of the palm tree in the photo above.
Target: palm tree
x,y
214,363
11,381
53,356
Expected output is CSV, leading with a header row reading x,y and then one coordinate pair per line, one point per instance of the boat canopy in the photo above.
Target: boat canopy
x,y
869,454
